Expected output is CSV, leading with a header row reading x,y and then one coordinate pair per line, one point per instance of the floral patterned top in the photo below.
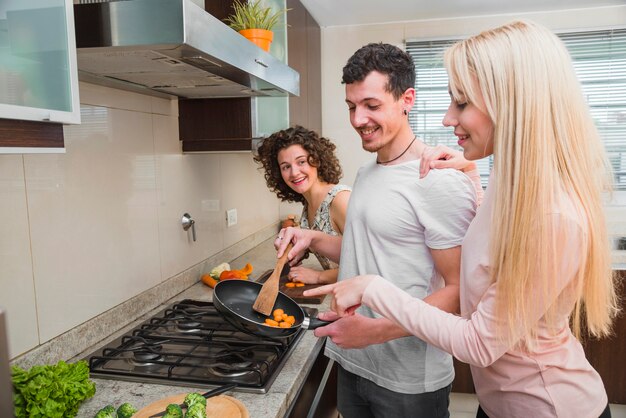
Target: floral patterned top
x,y
322,221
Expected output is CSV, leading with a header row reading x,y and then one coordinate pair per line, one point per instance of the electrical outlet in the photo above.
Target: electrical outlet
x,y
231,217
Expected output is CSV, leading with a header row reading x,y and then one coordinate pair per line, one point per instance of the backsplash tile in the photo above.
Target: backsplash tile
x,y
93,218
183,182
17,291
103,221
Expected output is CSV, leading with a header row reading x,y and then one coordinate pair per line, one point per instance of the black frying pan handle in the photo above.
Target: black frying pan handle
x,y
312,323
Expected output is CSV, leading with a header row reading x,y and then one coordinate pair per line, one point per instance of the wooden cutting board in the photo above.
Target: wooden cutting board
x,y
294,293
221,406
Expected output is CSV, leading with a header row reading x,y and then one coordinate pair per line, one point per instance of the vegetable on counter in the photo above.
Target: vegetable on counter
x,y
194,398
223,272
51,390
215,273
196,410
173,411
107,412
126,410
237,274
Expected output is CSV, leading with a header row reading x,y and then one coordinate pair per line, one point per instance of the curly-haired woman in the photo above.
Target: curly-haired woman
x,y
300,166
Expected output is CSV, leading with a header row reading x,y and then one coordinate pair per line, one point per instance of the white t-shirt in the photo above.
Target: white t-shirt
x,y
393,218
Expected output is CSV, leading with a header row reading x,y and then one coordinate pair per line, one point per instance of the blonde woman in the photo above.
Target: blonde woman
x,y
537,251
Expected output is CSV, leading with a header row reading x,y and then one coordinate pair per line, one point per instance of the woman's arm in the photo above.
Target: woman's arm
x,y
474,340
312,276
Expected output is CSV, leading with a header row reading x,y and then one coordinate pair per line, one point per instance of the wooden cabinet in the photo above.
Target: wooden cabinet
x,y
317,398
606,356
304,56
215,124
24,136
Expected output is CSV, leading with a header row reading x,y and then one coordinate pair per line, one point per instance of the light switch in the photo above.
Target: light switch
x,y
231,217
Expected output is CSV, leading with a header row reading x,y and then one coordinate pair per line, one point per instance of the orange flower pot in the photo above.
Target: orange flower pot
x,y
260,37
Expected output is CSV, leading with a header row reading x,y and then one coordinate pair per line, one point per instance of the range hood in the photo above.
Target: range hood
x,y
171,48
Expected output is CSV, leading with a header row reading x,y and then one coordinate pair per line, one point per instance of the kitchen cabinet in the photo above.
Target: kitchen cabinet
x,y
606,356
317,397
305,56
215,124
22,136
38,81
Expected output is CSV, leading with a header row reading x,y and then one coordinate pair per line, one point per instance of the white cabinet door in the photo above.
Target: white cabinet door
x,y
38,75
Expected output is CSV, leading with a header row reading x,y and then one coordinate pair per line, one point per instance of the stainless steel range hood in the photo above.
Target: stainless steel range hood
x,y
171,48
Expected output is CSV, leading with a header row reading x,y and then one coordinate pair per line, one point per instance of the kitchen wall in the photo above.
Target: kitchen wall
x,y
87,230
339,43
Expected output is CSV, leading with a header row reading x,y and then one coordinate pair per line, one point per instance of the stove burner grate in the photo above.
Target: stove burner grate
x,y
190,344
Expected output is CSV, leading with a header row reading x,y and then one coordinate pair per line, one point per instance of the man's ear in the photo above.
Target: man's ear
x,y
408,98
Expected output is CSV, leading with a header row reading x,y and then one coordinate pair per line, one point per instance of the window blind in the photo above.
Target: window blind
x,y
599,59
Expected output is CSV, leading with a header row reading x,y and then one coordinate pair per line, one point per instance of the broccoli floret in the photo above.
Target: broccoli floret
x,y
193,398
107,412
126,410
173,411
196,410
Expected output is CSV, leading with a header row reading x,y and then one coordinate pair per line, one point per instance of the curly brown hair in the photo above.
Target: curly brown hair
x,y
321,155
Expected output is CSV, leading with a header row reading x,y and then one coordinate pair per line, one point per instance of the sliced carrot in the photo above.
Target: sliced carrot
x,y
290,284
271,322
291,319
299,284
285,324
278,312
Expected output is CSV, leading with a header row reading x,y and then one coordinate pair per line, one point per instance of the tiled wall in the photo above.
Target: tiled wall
x,y
86,230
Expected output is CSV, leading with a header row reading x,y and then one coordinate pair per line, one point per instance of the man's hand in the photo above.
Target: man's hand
x,y
358,331
327,245
301,239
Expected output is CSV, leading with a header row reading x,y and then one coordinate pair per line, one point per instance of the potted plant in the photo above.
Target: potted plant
x,y
254,21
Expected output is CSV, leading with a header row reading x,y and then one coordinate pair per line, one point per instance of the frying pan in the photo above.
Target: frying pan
x,y
234,299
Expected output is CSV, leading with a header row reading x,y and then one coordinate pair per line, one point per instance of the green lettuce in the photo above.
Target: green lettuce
x,y
51,391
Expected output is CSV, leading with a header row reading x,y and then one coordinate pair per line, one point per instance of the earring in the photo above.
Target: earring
x,y
405,112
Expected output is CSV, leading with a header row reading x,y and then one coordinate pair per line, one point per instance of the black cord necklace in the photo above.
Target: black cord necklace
x,y
403,152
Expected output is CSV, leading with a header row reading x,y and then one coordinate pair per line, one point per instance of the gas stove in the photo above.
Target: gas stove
x,y
190,344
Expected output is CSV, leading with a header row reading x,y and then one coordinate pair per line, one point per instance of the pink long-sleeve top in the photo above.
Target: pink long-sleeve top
x,y
554,379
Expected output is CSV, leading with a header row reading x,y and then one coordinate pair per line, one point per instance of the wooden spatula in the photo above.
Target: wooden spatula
x,y
266,299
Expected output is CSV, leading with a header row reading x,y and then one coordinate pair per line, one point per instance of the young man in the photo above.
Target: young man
x,y
403,228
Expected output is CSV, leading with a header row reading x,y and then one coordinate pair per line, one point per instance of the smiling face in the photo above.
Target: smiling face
x,y
296,170
375,114
472,126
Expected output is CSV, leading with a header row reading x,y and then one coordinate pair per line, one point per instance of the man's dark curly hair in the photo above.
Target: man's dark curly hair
x,y
321,155
386,59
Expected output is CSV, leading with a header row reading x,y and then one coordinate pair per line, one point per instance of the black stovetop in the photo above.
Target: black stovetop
x,y
190,344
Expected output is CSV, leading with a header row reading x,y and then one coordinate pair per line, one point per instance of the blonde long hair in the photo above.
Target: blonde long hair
x,y
545,142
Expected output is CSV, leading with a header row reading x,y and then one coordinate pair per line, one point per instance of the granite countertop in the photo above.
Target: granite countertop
x,y
273,404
